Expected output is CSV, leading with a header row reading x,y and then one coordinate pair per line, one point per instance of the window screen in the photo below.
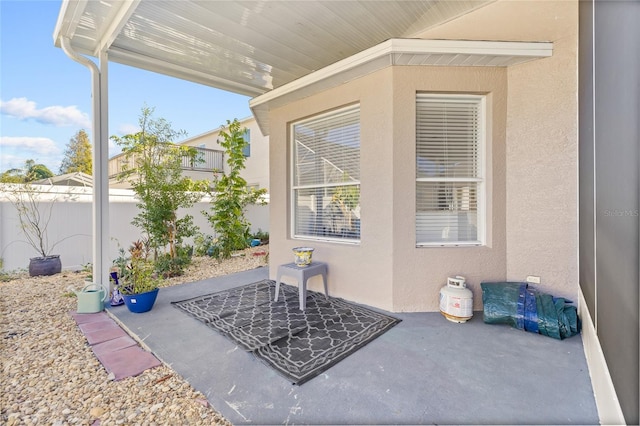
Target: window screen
x,y
326,176
449,169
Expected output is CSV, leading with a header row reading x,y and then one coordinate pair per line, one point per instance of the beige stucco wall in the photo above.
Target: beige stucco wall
x,y
419,273
386,269
542,144
357,272
531,168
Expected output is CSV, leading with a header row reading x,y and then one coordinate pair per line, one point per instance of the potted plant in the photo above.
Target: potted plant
x,y
139,282
34,216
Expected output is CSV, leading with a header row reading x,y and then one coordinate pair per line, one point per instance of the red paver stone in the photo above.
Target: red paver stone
x,y
113,345
102,335
127,362
86,318
115,349
97,325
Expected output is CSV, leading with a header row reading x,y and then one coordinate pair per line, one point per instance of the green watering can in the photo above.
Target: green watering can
x,y
91,298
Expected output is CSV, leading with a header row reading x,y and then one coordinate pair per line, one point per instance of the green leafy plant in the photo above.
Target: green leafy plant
x,y
168,266
6,276
204,245
261,235
154,170
136,272
87,269
29,173
231,195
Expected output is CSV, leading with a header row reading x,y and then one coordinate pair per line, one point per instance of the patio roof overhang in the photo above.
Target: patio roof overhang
x,y
274,50
247,47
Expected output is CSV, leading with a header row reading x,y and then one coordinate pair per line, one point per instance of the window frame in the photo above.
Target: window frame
x,y
246,136
293,187
481,173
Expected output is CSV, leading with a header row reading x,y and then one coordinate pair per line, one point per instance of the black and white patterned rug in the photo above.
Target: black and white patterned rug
x,y
298,344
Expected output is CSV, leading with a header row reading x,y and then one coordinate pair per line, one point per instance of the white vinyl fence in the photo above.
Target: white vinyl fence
x,y
71,225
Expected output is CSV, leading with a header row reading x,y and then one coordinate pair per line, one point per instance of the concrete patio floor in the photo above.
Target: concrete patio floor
x,y
425,370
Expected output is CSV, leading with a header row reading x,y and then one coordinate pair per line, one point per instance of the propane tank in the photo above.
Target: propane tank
x,y
456,300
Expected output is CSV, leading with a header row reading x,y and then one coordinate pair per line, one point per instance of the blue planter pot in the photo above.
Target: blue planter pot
x,y
139,303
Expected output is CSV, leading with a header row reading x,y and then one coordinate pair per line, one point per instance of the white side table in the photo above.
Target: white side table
x,y
302,274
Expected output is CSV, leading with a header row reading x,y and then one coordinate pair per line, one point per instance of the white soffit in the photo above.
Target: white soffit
x,y
458,53
250,46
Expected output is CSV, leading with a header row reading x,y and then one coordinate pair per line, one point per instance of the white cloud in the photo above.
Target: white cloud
x,y
128,129
114,149
59,116
9,161
14,157
40,146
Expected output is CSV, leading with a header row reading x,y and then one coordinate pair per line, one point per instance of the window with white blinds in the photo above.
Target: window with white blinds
x,y
450,134
326,176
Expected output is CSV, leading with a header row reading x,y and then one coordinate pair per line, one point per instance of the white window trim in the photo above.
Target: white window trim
x,y
293,187
480,179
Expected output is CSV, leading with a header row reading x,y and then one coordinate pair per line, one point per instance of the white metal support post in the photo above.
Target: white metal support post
x,y
101,264
100,138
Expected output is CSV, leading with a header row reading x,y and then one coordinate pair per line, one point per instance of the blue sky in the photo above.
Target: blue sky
x,y
45,97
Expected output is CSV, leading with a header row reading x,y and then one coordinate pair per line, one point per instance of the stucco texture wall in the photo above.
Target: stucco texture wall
x,y
531,168
541,137
420,272
356,272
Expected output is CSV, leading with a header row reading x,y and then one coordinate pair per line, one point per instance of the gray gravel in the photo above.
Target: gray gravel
x,y
49,374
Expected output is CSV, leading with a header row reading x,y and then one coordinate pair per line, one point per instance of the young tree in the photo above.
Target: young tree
x,y
12,176
36,171
30,172
154,169
231,194
77,155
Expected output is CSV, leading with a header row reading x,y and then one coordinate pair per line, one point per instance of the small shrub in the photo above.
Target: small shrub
x,y
6,276
214,251
167,267
261,235
137,273
202,243
87,269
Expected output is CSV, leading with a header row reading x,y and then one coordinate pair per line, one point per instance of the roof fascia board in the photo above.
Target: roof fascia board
x,y
473,47
351,62
411,46
68,19
260,105
126,9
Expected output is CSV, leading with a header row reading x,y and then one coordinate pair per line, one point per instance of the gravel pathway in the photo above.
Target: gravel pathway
x,y
49,374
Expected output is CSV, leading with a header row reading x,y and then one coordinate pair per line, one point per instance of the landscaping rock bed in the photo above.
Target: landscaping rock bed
x,y
50,375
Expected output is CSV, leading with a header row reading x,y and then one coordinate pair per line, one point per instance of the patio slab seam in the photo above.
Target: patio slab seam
x,y
119,353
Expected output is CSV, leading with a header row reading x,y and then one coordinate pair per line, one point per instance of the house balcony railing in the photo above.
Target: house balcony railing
x,y
209,160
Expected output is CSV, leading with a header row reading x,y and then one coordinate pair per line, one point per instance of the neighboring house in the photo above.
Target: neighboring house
x,y
212,157
412,141
256,171
212,160
68,179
